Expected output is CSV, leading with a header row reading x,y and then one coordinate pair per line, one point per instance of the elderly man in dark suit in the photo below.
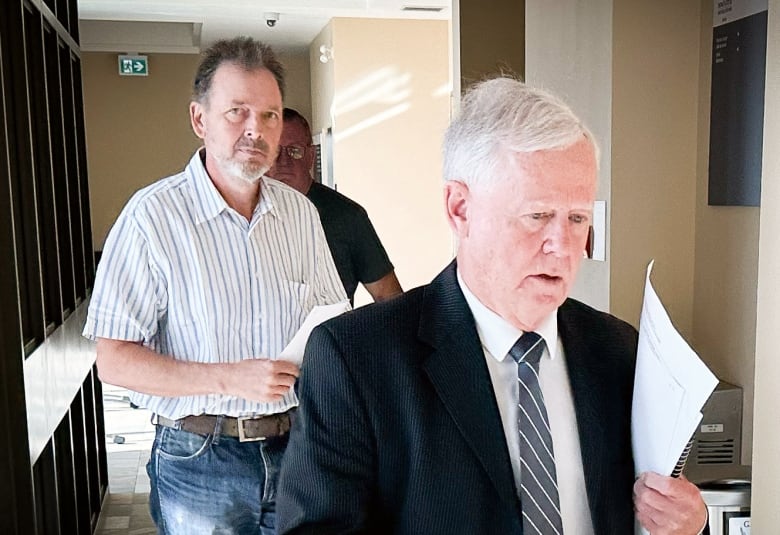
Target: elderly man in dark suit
x,y
487,401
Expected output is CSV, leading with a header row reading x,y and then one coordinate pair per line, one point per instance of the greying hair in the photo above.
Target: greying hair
x,y
499,118
245,52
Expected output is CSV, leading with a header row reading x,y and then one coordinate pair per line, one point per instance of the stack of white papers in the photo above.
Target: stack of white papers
x,y
294,350
670,388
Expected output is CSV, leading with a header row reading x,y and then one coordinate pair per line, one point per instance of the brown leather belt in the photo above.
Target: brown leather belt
x,y
246,428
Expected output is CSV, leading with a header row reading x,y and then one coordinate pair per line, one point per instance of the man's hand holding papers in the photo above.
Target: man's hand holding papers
x,y
670,388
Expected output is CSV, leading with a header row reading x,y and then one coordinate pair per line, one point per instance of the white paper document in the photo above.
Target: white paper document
x,y
294,350
671,386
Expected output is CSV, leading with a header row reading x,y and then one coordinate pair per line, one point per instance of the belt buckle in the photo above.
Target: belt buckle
x,y
242,434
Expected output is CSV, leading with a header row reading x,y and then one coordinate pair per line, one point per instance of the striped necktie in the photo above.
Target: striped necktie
x,y
538,483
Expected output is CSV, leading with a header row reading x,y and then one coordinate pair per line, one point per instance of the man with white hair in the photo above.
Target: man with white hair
x,y
487,401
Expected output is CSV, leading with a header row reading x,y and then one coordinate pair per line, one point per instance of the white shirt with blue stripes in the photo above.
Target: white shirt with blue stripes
x,y
189,277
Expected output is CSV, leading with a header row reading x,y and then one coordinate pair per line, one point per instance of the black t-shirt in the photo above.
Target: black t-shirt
x,y
356,249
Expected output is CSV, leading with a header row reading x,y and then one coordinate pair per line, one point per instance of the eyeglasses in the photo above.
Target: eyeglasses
x,y
296,152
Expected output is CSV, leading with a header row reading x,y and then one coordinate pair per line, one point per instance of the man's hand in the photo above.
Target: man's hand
x,y
669,506
261,379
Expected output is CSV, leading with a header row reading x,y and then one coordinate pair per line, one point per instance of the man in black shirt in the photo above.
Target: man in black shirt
x,y
354,244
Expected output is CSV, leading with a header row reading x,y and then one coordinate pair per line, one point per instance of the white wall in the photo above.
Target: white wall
x,y
568,48
322,86
766,442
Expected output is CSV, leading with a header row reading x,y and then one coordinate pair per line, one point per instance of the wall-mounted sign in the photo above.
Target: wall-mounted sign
x,y
737,102
133,65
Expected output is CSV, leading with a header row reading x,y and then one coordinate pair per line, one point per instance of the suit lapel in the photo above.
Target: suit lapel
x,y
461,379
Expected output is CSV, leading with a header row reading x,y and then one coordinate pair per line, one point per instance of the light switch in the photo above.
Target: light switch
x,y
600,230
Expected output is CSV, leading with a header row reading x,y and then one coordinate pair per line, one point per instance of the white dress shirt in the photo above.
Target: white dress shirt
x,y
497,337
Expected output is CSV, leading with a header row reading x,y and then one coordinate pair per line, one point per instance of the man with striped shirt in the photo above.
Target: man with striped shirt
x,y
205,277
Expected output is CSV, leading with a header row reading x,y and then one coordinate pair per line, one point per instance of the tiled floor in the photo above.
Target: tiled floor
x,y
129,436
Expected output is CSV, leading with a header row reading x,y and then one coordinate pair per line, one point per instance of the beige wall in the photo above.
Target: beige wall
x,y
711,253
766,444
298,81
726,270
492,38
138,128
389,109
655,55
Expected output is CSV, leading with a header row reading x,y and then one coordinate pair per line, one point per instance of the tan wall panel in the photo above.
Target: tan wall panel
x,y
726,271
298,81
492,38
654,143
138,129
391,107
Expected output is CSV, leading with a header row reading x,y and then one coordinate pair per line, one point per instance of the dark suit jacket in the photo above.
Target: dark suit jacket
x,y
399,430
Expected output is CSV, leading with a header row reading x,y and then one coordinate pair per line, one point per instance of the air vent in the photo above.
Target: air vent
x,y
318,163
423,9
715,452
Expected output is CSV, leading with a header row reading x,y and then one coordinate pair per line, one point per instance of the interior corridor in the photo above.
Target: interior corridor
x,y
129,436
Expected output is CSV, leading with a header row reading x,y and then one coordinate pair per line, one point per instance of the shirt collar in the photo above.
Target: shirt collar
x,y
270,200
209,203
498,335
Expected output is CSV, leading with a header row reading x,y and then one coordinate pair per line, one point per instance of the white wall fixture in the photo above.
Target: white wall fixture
x,y
326,53
600,230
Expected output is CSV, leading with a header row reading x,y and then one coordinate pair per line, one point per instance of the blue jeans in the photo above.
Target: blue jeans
x,y
213,484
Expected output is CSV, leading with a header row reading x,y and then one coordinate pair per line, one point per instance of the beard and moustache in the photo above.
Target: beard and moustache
x,y
247,171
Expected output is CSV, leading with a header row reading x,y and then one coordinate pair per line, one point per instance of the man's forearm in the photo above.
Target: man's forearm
x,y
138,368
385,288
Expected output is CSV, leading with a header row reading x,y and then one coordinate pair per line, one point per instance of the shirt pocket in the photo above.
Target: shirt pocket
x,y
292,305
298,295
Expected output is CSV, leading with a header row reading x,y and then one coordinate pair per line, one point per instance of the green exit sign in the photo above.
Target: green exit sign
x,y
133,65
